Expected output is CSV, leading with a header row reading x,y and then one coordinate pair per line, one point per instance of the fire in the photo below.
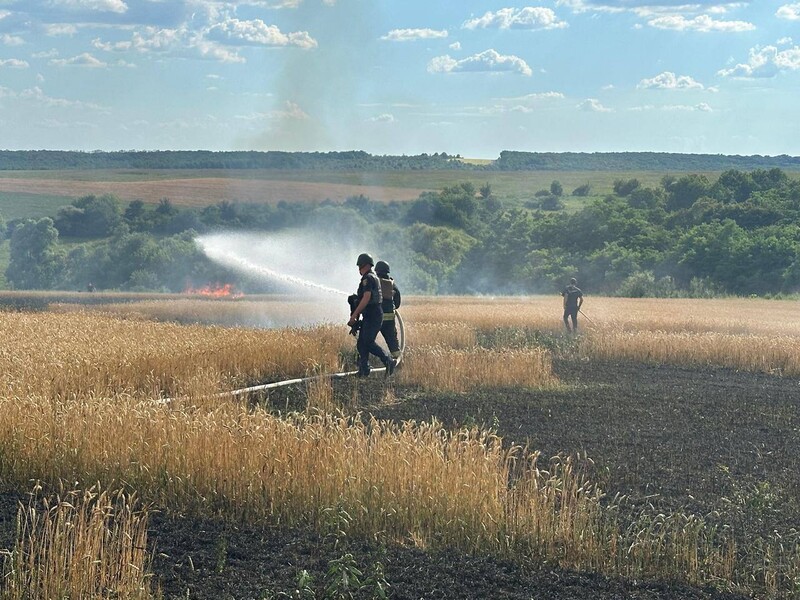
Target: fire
x,y
215,291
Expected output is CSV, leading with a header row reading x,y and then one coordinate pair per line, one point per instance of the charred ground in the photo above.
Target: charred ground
x,y
714,442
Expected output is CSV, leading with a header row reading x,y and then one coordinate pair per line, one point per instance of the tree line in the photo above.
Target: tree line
x,y
360,160
687,235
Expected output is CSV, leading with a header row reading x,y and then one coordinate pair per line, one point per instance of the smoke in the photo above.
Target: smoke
x,y
301,262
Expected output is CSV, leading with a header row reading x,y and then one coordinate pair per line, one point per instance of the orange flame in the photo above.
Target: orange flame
x,y
215,291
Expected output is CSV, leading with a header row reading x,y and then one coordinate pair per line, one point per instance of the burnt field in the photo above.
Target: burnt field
x,y
711,442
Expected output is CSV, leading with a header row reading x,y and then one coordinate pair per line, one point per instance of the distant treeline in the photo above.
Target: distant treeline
x,y
358,160
688,235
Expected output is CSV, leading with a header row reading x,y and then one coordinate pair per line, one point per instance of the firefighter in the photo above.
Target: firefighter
x,y
370,308
573,300
391,301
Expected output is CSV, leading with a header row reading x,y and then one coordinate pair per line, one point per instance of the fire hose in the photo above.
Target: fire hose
x,y
401,338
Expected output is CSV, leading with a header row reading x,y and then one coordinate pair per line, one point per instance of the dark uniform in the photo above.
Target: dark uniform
x,y
573,298
371,324
391,301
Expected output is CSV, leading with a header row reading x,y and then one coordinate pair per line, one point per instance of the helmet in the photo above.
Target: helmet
x,y
364,259
382,267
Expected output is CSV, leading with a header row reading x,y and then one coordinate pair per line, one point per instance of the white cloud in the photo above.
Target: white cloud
x,y
650,7
409,35
35,94
486,61
592,105
766,62
11,40
258,33
523,104
790,12
384,118
52,53
290,111
701,107
14,63
82,60
669,81
702,23
54,29
179,42
455,46
517,18
115,6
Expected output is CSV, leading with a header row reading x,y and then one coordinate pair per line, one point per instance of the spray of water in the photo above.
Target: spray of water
x,y
303,261
239,263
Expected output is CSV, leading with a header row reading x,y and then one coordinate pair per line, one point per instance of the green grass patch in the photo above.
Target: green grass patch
x,y
21,205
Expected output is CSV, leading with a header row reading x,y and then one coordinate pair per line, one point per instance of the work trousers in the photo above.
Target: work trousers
x,y
366,345
389,333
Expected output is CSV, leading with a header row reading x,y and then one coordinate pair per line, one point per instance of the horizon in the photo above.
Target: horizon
x,y
586,76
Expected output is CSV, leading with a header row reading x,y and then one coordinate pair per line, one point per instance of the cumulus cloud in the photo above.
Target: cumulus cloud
x,y
592,105
455,46
523,104
179,42
702,23
14,63
289,111
82,60
409,35
257,33
486,61
701,107
766,62
384,118
54,29
35,94
115,6
11,40
649,6
790,12
669,81
529,17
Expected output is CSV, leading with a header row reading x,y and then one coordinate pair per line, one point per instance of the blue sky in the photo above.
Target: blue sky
x,y
472,77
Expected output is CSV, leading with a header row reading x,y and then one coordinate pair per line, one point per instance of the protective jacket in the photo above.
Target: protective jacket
x,y
391,297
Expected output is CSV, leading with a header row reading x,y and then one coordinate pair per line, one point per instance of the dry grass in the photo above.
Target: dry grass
x,y
63,355
442,368
75,407
82,545
203,191
752,334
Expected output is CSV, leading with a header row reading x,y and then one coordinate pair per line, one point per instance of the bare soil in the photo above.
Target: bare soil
x,y
705,440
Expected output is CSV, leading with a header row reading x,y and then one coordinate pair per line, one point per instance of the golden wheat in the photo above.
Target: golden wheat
x,y
90,544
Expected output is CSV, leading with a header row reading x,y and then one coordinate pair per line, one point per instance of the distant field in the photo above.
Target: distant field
x,y
40,193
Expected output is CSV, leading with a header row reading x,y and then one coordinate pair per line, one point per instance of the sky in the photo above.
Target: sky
x,y
468,77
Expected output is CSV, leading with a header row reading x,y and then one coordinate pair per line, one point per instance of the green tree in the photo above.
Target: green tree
x,y
35,261
556,188
89,216
683,192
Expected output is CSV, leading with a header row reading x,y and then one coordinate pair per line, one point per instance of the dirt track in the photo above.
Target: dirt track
x,y
701,440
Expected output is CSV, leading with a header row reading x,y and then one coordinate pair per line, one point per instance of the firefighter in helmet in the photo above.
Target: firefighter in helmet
x,y
370,308
391,301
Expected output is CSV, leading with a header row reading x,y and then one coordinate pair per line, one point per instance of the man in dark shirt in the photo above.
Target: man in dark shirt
x,y
370,308
573,300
